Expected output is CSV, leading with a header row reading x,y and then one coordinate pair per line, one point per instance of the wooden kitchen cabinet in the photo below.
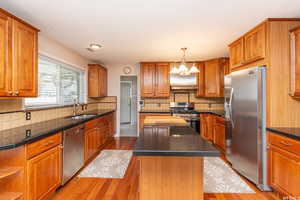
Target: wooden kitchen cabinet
x,y
219,133
295,63
255,44
284,164
18,65
97,81
201,80
236,53
214,78
91,144
155,79
207,126
44,173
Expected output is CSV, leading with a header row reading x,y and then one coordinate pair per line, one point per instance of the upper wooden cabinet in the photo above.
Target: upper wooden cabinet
x,y
249,48
211,77
155,79
295,63
236,52
97,81
18,53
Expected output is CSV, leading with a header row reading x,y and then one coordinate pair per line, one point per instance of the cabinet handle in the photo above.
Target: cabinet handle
x,y
16,93
10,92
285,144
48,143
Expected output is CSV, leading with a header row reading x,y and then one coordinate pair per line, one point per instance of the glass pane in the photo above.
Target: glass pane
x,y
48,85
70,85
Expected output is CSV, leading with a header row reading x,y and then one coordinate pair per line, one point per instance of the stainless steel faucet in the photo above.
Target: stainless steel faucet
x,y
75,104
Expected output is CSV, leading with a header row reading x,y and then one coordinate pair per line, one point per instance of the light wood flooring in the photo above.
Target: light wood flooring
x,y
127,188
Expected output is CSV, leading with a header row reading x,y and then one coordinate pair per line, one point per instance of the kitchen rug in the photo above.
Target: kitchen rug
x,y
108,164
218,176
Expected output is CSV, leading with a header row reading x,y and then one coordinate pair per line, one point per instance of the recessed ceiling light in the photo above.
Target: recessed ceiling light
x,y
95,46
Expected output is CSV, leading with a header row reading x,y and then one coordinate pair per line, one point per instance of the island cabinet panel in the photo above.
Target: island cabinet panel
x,y
295,63
44,174
155,80
18,65
219,133
236,53
255,44
5,54
176,178
144,115
97,80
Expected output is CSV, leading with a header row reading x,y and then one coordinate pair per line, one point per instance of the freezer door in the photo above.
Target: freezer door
x,y
246,116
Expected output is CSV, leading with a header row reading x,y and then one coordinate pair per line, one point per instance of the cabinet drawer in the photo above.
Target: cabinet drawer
x,y
42,145
285,143
220,120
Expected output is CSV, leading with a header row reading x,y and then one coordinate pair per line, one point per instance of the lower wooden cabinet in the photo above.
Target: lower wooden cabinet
x,y
284,165
44,173
219,133
207,129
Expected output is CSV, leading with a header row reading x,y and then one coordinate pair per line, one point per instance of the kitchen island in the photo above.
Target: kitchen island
x,y
171,162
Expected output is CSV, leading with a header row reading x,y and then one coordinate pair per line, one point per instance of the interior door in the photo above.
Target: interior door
x,y
25,60
125,102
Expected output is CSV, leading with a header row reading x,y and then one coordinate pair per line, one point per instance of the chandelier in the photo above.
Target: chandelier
x,y
183,70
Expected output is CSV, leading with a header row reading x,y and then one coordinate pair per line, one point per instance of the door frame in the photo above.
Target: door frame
x,y
130,122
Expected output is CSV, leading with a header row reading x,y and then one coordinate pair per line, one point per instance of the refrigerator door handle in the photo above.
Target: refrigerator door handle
x,y
230,107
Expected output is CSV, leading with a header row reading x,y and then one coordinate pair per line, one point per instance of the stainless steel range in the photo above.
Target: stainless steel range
x,y
186,111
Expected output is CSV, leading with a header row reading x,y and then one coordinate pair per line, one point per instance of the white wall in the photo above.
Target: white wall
x,y
114,73
55,50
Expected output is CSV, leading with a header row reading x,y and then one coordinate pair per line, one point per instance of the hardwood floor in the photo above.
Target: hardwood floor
x,y
127,188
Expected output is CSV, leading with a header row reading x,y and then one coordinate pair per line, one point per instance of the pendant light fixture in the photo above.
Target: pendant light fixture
x,y
183,70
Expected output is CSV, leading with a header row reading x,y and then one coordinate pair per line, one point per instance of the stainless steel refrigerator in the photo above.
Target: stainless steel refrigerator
x,y
245,116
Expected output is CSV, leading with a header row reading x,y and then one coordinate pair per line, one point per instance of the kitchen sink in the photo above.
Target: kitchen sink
x,y
84,116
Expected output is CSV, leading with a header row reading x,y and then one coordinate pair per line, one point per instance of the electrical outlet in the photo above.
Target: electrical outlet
x,y
28,115
28,132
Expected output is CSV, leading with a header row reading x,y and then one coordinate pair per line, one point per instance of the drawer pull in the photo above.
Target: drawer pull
x,y
48,143
285,144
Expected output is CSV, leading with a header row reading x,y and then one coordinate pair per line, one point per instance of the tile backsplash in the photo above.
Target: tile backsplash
x,y
162,104
17,118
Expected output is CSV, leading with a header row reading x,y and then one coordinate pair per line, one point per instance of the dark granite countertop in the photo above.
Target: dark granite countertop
x,y
154,111
293,133
173,141
219,113
12,138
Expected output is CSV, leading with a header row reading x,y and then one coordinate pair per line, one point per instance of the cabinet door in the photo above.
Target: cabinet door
x,y
90,143
25,60
93,81
207,126
5,55
44,174
148,79
219,135
201,80
295,64
284,171
214,76
162,87
104,78
236,53
255,44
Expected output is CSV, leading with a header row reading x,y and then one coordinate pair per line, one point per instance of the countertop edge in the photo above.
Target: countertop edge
x,y
179,154
54,131
273,130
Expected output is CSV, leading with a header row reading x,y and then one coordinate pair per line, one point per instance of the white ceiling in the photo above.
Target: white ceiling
x,y
138,30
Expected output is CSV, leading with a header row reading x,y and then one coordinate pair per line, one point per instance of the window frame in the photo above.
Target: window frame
x,y
59,99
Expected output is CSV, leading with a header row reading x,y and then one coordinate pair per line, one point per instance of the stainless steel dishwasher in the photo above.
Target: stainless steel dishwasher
x,y
73,152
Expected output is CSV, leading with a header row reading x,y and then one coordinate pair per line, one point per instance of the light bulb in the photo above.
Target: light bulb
x,y
183,68
194,69
174,70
